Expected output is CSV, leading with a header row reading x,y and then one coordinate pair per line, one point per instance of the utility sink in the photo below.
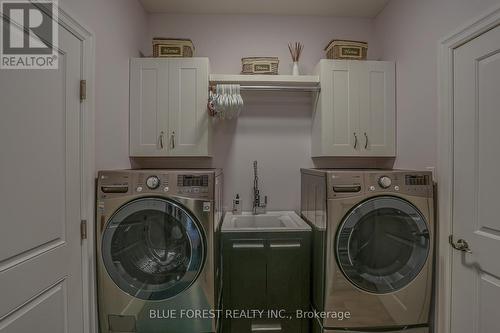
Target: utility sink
x,y
268,222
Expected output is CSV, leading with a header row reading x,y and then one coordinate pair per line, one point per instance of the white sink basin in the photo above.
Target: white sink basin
x,y
260,221
270,221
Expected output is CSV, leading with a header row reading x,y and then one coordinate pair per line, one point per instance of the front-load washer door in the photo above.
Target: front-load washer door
x,y
153,248
382,244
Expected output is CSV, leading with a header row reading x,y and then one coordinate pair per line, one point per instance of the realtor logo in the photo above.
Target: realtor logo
x,y
28,34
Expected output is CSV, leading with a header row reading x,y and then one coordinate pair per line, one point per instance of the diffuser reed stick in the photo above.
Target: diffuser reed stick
x,y
295,50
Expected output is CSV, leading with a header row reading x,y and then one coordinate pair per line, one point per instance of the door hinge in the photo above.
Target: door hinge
x,y
83,90
83,229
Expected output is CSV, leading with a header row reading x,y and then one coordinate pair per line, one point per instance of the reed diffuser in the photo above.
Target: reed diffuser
x,y
295,51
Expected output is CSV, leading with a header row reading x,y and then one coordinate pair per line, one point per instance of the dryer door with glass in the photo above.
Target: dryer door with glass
x,y
382,244
153,248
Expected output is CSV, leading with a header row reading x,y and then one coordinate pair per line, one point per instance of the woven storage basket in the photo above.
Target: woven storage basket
x,y
172,48
346,49
260,65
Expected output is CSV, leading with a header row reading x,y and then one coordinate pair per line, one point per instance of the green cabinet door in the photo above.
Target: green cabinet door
x,y
247,274
287,274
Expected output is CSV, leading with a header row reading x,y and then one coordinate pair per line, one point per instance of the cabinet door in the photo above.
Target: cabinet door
x,y
189,123
339,104
247,275
148,107
287,272
377,108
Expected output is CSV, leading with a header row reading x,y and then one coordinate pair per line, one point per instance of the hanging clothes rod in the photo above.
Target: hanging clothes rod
x,y
279,88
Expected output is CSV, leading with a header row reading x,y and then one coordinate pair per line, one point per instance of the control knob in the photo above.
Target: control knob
x,y
153,182
384,182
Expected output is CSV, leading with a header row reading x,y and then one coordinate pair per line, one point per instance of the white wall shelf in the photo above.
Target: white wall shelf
x,y
269,82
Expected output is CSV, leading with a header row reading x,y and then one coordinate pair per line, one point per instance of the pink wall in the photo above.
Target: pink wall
x,y
228,38
274,128
409,32
119,28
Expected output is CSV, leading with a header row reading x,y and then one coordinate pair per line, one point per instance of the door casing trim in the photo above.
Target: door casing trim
x,y
87,160
87,164
447,45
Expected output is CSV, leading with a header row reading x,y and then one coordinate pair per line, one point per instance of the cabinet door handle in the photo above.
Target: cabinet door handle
x,y
355,141
248,246
266,327
161,139
366,141
284,245
172,140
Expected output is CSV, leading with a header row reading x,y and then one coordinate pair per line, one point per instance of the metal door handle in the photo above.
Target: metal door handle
x,y
161,139
366,141
284,245
172,140
248,246
266,327
460,245
355,141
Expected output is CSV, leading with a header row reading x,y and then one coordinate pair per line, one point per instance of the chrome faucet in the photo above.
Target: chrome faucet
x,y
258,207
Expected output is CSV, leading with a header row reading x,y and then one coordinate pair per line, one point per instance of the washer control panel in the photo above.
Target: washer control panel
x,y
193,185
189,183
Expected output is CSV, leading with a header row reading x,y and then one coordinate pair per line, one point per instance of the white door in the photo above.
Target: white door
x,y
40,149
476,217
148,107
340,108
189,123
377,108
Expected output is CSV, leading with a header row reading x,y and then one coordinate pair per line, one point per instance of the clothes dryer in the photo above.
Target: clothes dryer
x,y
373,236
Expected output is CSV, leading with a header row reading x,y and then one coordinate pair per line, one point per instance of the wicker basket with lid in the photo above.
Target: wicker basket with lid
x,y
172,47
346,49
260,65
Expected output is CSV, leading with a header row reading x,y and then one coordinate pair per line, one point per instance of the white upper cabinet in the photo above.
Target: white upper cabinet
x,y
354,114
168,107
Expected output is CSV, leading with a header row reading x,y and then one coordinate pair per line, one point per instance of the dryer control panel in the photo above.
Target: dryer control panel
x,y
351,183
416,183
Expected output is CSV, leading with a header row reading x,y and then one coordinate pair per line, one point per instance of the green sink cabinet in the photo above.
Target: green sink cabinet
x,y
266,271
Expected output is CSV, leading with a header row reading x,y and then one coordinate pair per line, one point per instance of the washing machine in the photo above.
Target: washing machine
x,y
372,249
157,253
